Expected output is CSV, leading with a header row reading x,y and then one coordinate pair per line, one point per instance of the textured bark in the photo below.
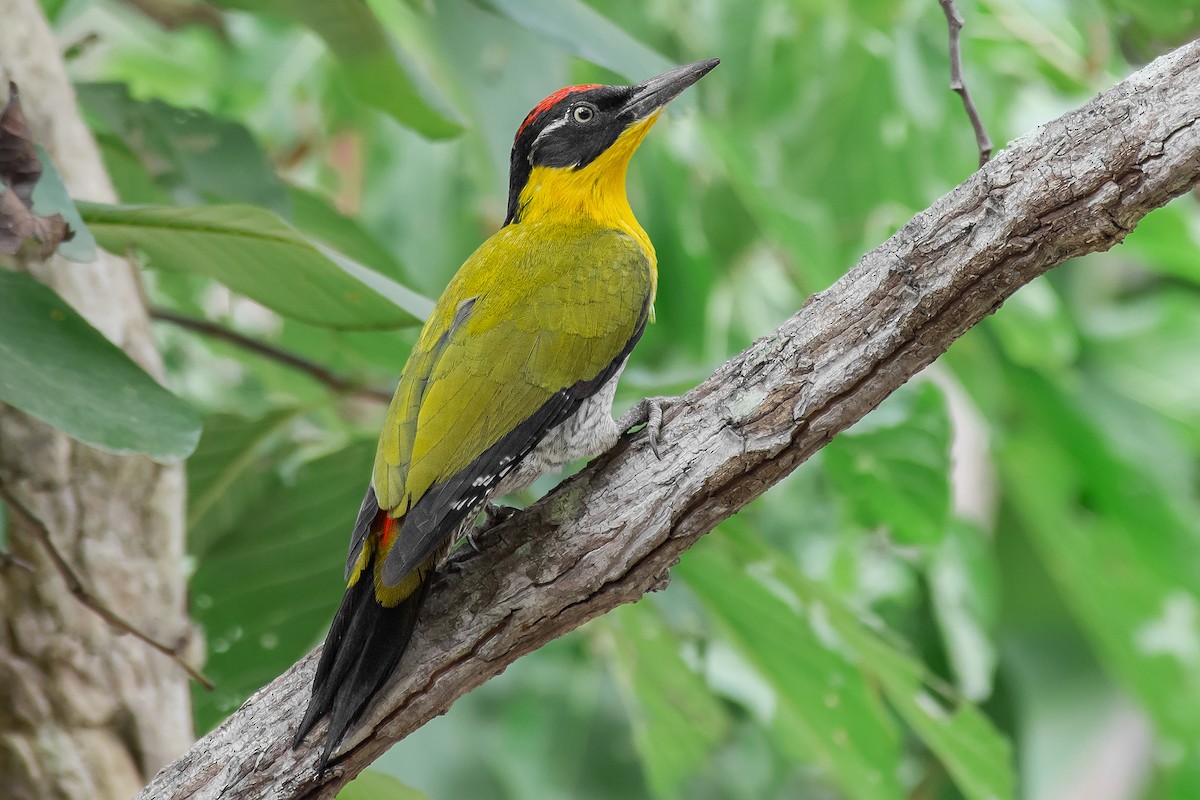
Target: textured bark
x,y
85,713
1074,186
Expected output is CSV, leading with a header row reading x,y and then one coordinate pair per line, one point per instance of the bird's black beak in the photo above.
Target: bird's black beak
x,y
649,96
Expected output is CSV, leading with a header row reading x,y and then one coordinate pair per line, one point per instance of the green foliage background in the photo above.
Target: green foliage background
x,y
965,596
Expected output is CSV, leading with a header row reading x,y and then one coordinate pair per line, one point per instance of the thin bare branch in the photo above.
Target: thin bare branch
x,y
8,560
312,369
83,595
954,22
1076,185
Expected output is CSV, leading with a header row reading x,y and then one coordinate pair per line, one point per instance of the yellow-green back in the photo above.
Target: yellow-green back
x,y
538,307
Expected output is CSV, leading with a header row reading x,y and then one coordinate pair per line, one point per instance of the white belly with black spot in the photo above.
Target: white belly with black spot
x,y
590,431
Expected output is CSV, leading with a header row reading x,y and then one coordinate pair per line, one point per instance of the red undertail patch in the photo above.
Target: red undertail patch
x,y
387,533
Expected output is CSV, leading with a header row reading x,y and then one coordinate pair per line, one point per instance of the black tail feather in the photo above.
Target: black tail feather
x,y
365,642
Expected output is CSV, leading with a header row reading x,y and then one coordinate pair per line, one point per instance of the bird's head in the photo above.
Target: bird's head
x,y
573,147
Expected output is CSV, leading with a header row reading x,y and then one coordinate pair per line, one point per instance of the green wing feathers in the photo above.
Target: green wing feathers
x,y
562,313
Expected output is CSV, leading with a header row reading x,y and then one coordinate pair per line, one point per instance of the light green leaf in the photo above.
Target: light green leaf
x,y
257,254
1034,330
677,721
373,785
58,368
375,70
313,214
963,587
826,710
893,467
266,591
227,474
50,197
1167,241
1120,550
582,31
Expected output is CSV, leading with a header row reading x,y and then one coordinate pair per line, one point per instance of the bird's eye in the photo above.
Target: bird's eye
x,y
583,113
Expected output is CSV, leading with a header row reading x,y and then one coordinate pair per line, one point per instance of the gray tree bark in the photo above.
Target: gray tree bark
x,y
85,714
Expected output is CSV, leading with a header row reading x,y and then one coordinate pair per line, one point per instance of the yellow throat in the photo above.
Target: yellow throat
x,y
594,193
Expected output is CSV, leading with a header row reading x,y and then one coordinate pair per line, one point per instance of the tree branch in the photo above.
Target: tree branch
x,y
312,369
1076,185
954,22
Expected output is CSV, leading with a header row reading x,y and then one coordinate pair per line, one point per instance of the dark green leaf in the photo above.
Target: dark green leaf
x,y
255,253
266,590
197,157
228,473
58,368
314,215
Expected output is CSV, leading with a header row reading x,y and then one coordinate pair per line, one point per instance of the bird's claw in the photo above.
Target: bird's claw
x,y
648,412
493,515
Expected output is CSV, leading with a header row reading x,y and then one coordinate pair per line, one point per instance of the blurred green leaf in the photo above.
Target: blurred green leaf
x,y
52,8
975,754
255,253
825,710
228,473
677,722
375,70
1123,556
194,155
1034,330
1167,241
892,468
373,785
56,367
266,590
963,586
131,179
582,31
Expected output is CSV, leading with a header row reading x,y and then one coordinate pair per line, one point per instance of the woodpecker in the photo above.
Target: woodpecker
x,y
512,376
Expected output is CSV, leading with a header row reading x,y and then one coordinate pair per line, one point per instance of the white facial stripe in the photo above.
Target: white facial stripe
x,y
553,126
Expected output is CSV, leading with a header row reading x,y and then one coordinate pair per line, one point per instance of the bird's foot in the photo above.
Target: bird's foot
x,y
493,515
648,412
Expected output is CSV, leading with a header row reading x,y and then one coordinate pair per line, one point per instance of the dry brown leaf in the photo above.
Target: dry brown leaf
x,y
20,170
